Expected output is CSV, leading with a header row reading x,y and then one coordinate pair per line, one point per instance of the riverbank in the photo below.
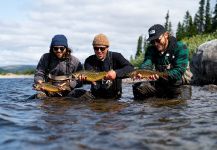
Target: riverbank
x,y
12,75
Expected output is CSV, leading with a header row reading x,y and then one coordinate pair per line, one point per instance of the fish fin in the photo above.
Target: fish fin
x,y
59,94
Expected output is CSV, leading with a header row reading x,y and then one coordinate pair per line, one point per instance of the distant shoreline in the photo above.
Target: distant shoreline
x,y
12,75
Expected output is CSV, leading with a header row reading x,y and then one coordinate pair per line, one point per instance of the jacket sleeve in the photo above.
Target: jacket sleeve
x,y
124,66
148,60
77,83
40,73
180,62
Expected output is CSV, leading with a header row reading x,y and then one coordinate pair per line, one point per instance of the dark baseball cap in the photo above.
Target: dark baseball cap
x,y
155,32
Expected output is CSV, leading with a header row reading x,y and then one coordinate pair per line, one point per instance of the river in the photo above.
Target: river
x,y
102,125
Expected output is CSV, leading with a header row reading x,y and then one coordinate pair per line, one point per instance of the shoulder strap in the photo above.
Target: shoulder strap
x,y
48,64
110,60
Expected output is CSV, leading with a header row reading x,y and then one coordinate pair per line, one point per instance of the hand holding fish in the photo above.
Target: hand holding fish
x,y
147,74
37,87
82,78
88,75
51,89
62,87
153,77
111,75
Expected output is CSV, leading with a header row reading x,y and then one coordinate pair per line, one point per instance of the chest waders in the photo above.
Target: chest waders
x,y
108,88
63,80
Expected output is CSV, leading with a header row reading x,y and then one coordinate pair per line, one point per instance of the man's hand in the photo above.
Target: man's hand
x,y
111,75
153,77
137,77
62,86
83,78
40,81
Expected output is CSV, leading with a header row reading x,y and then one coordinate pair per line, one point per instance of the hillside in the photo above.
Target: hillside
x,y
26,69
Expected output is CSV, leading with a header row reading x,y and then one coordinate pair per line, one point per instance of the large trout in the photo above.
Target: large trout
x,y
145,74
91,76
51,89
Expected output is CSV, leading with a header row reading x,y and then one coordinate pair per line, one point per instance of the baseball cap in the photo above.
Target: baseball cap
x,y
155,32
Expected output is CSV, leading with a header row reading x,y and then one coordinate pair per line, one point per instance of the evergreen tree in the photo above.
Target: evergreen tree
x,y
166,25
170,28
186,23
131,58
180,31
201,16
197,22
145,45
214,19
208,23
139,46
189,27
192,30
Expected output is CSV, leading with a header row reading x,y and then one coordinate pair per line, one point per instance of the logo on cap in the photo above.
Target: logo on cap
x,y
152,32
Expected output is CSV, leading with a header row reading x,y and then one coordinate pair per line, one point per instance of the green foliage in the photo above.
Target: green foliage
x,y
208,23
201,16
195,41
25,72
168,24
203,22
180,31
141,49
192,44
139,46
193,32
214,19
137,61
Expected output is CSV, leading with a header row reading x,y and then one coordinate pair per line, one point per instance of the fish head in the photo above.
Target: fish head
x,y
37,86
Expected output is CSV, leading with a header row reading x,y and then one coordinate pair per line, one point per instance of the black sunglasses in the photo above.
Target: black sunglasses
x,y
59,48
100,48
157,40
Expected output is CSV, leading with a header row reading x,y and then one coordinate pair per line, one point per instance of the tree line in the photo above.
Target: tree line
x,y
204,22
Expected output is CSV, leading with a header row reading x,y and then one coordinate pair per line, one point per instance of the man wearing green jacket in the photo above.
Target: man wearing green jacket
x,y
164,54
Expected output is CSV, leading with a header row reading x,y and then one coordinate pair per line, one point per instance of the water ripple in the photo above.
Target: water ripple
x,y
59,123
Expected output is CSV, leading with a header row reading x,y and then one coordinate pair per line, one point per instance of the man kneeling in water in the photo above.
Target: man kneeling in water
x,y
56,67
164,54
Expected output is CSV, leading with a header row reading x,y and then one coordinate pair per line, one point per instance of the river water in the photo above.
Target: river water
x,y
103,125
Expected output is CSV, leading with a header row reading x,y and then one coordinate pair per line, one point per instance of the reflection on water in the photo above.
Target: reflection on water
x,y
66,123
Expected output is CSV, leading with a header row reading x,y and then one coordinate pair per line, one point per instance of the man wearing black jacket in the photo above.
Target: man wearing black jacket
x,y
112,62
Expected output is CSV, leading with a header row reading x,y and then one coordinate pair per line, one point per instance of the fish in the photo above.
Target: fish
x,y
51,89
145,74
91,76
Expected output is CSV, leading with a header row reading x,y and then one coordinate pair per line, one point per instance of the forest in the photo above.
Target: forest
x,y
193,30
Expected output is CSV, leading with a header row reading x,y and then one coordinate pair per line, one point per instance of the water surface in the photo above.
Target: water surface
x,y
123,124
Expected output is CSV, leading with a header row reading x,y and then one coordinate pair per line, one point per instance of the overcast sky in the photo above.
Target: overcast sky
x,y
27,27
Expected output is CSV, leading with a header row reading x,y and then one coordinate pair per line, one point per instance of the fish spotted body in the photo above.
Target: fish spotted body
x,y
52,89
147,73
91,76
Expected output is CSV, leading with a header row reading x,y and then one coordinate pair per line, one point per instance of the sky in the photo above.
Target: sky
x,y
27,27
